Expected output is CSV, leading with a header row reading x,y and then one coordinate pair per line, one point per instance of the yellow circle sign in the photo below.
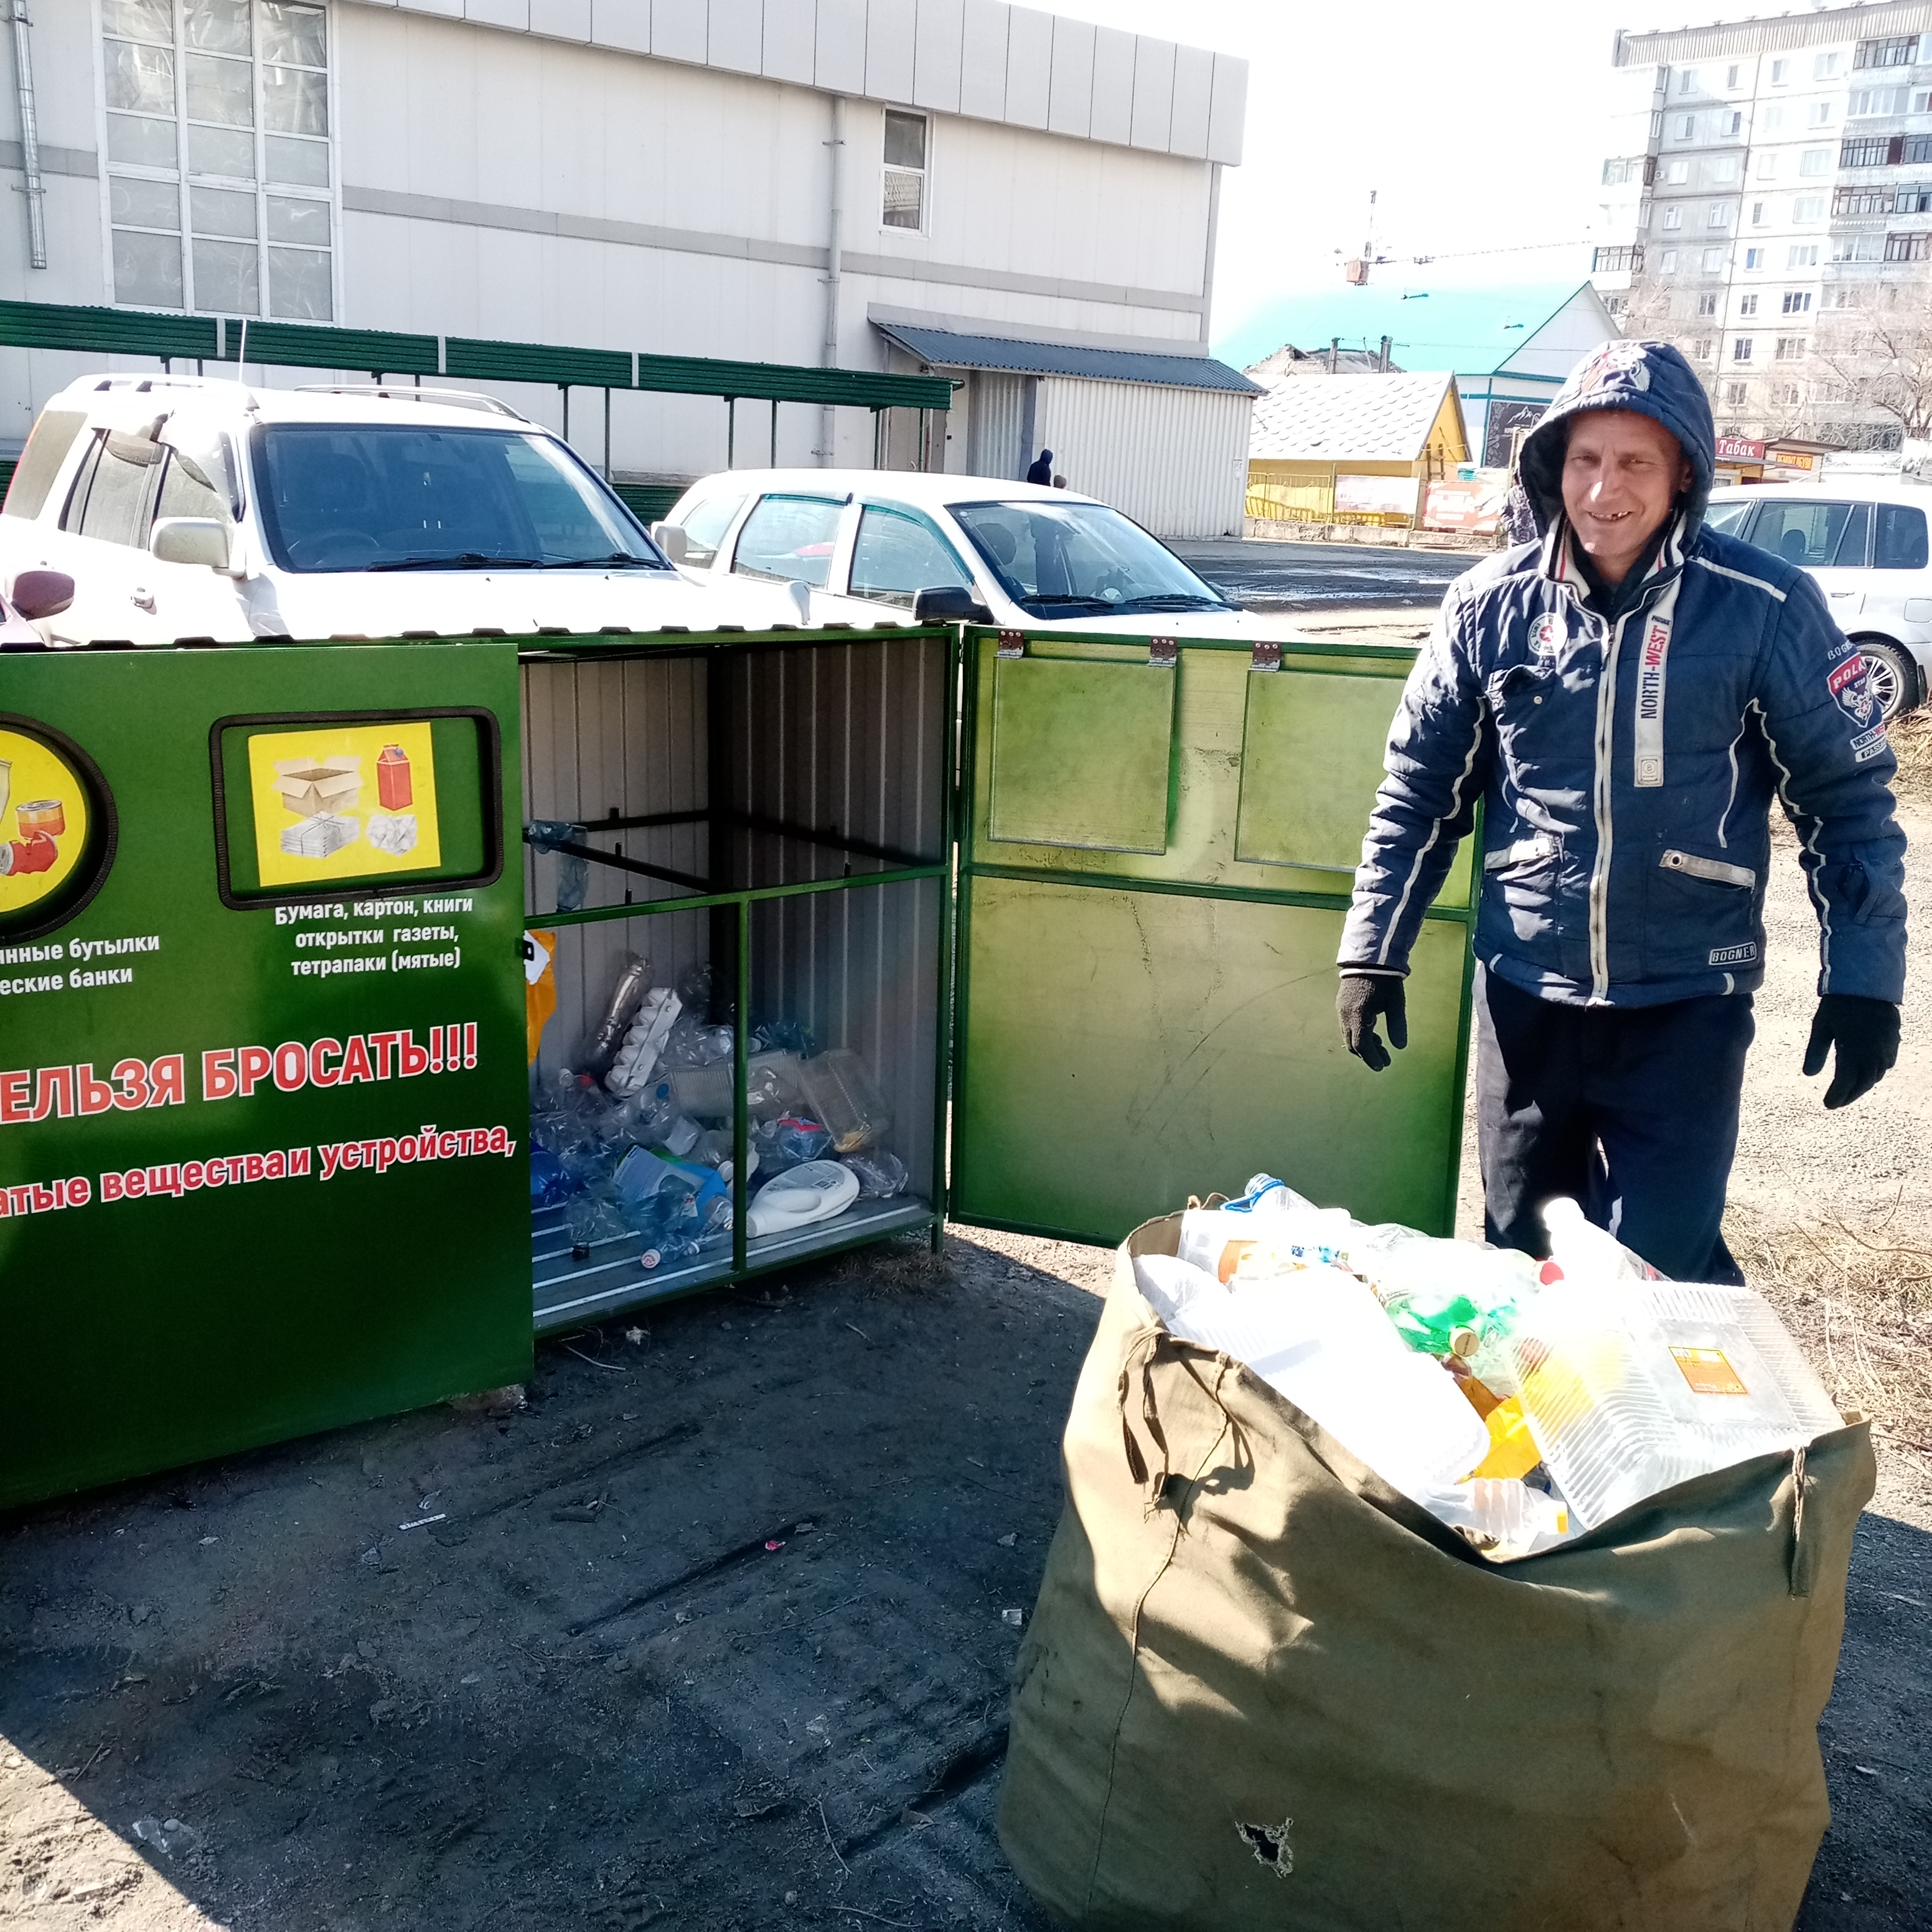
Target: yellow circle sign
x,y
44,818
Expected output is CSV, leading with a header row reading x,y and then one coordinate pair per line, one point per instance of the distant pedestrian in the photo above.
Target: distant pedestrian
x,y
1042,470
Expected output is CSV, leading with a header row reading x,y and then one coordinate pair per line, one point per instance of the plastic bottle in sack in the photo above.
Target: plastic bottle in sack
x,y
814,1191
1632,1386
1582,1251
1323,1342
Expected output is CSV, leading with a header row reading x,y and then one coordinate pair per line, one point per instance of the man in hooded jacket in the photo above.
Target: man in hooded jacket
x,y
1625,698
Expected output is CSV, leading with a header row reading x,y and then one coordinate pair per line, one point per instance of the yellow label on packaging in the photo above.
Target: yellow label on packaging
x,y
343,801
43,820
1709,1371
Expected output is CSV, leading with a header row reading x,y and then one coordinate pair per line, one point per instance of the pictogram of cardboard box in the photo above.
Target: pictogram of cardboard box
x,y
313,785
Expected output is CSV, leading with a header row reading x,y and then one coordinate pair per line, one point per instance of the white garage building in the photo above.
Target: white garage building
x,y
1023,203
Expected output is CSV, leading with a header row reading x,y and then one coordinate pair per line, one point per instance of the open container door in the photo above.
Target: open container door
x,y
1158,847
262,1090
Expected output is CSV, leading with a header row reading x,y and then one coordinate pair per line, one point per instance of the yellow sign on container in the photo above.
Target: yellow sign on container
x,y
343,801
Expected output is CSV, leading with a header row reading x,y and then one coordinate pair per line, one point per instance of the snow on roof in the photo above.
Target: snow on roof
x,y
1350,418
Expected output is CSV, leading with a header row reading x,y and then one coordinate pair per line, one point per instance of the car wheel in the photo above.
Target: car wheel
x,y
1893,675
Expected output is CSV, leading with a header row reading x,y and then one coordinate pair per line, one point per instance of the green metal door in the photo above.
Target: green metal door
x,y
1158,847
263,1084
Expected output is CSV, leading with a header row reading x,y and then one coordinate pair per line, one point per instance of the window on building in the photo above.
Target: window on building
x,y
1840,298
1866,247
1718,215
1687,127
218,156
1754,258
1808,208
1707,304
1721,169
1731,78
1741,349
1916,198
1921,100
1790,348
1788,395
1915,148
1686,80
905,170
1815,161
1612,261
1797,302
1862,201
1895,50
1780,72
1673,217
1748,305
1908,248
1702,347
1735,393
1877,100
1732,123
1618,306
1773,119
1767,165
1801,255
1827,66
1676,173
1714,261
1757,213
1820,115
1867,151
1666,262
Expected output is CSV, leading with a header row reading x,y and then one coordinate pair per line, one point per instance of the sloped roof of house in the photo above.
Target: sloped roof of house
x,y
1473,331
1348,419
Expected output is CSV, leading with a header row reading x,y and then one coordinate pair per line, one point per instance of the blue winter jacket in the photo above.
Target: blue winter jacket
x,y
1625,770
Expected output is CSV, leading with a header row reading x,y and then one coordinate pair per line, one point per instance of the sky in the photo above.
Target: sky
x,y
1480,125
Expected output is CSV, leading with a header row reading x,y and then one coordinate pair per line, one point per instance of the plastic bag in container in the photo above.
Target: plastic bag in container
x,y
836,1086
1320,1339
573,874
790,1036
881,1174
786,1141
636,1060
814,1192
1631,1387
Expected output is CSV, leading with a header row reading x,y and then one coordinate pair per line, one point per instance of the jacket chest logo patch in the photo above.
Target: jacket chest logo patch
x,y
1547,636
1850,686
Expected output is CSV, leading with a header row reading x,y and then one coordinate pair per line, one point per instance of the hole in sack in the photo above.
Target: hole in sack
x,y
1270,1845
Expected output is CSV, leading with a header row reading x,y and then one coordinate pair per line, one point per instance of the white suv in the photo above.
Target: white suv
x,y
192,509
1865,541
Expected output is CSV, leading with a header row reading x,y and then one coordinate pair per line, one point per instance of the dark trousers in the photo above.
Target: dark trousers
x,y
1632,1111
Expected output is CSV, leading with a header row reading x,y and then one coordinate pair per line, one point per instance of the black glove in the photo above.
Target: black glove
x,y
1362,997
1866,1032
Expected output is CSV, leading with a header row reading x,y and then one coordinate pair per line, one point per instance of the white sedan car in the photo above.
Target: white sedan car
x,y
859,546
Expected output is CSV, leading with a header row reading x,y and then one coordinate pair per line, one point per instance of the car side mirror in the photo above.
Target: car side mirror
x,y
41,593
202,540
669,539
948,603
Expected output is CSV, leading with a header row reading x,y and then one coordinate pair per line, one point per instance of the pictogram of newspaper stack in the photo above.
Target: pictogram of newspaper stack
x,y
325,791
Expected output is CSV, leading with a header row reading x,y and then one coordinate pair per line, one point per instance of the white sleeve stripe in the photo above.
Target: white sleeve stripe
x,y
1428,844
1756,583
1809,841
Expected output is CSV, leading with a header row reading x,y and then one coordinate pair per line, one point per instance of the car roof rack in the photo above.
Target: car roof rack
x,y
455,399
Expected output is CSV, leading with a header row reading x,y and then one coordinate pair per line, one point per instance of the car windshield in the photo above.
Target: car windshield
x,y
1080,559
1729,517
396,496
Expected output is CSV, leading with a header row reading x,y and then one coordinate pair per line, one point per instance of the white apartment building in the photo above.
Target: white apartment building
x,y
1766,180
1024,203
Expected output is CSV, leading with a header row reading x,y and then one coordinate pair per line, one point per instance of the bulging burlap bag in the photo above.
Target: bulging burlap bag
x,y
1261,1689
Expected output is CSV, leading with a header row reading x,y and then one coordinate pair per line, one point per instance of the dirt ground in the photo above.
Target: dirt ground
x,y
710,1629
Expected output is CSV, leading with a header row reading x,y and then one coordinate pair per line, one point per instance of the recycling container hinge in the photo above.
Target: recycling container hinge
x,y
1267,657
1163,653
1012,644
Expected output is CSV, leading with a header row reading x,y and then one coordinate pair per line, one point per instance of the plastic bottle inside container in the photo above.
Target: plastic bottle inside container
x,y
1632,1386
814,1191
1584,1252
838,1087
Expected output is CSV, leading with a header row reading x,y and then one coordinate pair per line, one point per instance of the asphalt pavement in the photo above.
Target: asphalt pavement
x,y
1262,576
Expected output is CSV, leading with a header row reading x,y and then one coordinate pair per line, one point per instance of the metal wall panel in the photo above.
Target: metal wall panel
x,y
1070,100
1193,101
1153,92
679,29
1113,113
1228,109
1175,460
891,34
838,56
514,14
996,425
736,36
622,23
566,20
1029,66
982,72
790,34
937,55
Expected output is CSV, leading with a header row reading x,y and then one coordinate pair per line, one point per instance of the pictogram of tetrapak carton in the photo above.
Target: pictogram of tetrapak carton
x,y
312,785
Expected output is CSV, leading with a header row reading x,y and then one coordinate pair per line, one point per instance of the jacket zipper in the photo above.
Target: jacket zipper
x,y
1600,872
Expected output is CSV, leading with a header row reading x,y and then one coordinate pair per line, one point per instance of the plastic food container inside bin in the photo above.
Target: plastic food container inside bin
x,y
837,1088
1632,1387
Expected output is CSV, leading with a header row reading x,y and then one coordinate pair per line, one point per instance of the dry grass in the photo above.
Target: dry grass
x,y
1912,741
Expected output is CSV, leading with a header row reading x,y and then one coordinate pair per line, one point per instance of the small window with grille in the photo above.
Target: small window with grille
x,y
904,201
